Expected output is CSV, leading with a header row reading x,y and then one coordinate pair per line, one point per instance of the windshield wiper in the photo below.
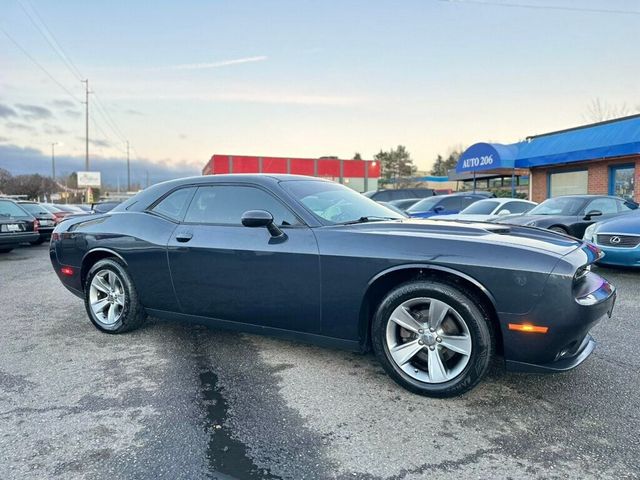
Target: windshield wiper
x,y
369,218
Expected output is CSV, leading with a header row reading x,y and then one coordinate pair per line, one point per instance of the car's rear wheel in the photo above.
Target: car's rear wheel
x,y
433,338
559,230
111,299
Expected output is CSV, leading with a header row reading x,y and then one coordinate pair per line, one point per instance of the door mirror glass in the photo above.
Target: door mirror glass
x,y
438,208
504,212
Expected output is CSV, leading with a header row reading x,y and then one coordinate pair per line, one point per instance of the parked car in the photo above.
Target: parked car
x,y
477,192
572,214
55,211
491,208
404,203
442,205
103,207
394,208
399,194
45,218
309,259
16,226
618,238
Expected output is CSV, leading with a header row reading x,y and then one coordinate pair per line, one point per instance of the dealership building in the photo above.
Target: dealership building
x,y
600,158
361,175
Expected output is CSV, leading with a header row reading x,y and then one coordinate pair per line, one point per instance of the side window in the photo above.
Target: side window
x,y
174,205
517,207
604,205
225,204
451,203
383,197
466,201
625,206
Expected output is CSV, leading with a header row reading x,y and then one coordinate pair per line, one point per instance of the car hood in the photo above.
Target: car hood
x,y
625,224
511,235
524,219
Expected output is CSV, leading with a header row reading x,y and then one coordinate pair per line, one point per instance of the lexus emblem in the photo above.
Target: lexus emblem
x,y
615,240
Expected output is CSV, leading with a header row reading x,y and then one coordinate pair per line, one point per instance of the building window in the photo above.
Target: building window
x,y
568,183
622,181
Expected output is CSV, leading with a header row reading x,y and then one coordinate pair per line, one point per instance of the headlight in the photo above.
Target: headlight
x,y
532,223
589,233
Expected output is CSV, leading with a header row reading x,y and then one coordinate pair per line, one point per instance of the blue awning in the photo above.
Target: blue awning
x,y
616,138
487,156
610,139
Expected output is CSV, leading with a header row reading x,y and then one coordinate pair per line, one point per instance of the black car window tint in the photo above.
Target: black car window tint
x,y
383,197
516,207
173,205
604,205
450,203
225,204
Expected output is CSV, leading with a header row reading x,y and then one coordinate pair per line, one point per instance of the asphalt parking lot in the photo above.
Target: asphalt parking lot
x,y
184,401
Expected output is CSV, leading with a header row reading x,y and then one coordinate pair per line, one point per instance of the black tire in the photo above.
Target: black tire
x,y
559,229
133,314
5,250
472,312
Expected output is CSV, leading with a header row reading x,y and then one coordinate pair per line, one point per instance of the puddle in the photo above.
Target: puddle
x,y
228,457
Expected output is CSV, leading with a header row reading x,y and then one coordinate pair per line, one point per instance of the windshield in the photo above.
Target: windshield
x,y
51,208
483,207
558,206
336,203
34,208
424,205
10,209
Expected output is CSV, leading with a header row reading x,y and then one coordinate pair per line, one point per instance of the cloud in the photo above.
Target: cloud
x,y
54,130
72,113
99,143
34,112
19,160
20,127
182,136
63,103
223,63
131,111
6,111
4,139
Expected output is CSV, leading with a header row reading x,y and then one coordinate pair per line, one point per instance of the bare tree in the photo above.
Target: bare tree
x,y
599,111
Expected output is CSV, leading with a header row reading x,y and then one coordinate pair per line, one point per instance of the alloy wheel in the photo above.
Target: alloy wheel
x,y
107,297
428,340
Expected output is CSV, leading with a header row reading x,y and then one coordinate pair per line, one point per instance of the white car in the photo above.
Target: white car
x,y
489,209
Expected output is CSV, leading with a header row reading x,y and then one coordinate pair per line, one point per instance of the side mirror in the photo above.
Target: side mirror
x,y
438,208
504,212
261,218
592,213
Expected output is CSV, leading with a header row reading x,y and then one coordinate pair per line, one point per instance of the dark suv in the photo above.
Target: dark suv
x,y
399,194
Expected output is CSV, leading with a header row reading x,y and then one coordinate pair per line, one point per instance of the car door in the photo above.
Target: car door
x,y
449,205
606,205
226,271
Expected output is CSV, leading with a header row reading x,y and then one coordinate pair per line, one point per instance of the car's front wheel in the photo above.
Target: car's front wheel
x,y
433,338
111,299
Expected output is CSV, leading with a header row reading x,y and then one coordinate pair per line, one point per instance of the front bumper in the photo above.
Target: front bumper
x,y
567,342
621,257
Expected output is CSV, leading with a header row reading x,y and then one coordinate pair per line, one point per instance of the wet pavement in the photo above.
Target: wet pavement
x,y
178,401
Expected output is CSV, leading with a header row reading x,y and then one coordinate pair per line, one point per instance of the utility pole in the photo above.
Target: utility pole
x,y
86,126
128,169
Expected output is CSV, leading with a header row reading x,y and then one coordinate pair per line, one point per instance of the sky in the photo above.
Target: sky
x,y
295,78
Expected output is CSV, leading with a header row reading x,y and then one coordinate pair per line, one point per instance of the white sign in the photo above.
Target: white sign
x,y
88,179
478,161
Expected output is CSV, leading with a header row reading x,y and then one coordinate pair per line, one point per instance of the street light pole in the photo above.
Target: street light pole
x,y
53,160
128,169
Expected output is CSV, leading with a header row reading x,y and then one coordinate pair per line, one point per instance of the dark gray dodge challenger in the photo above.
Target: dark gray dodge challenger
x,y
312,260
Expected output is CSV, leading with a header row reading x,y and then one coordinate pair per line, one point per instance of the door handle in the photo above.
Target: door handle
x,y
184,237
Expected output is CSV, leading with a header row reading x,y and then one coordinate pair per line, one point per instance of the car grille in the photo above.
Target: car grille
x,y
623,241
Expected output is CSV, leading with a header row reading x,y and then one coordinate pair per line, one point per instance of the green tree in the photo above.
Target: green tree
x,y
357,156
441,165
395,165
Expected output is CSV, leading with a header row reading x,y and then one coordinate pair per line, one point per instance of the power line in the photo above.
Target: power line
x,y
50,38
35,62
545,7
